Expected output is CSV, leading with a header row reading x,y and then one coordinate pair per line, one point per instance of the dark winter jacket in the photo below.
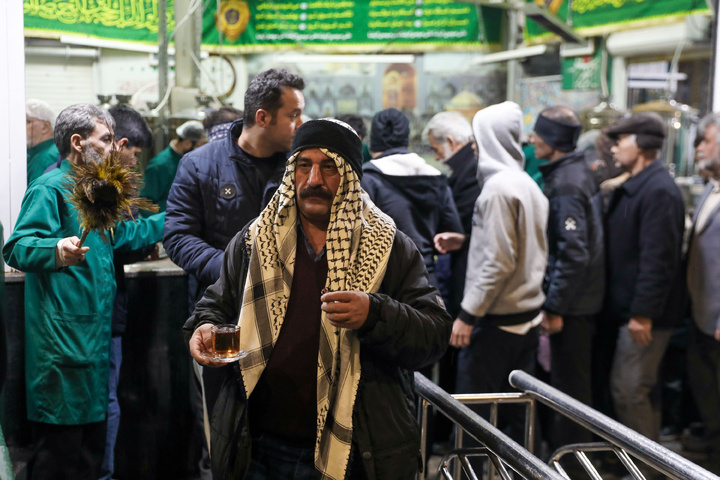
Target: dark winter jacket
x,y
218,189
407,328
644,232
465,190
420,204
574,282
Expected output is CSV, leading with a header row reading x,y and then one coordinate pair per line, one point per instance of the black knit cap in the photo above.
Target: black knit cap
x,y
336,136
390,129
648,127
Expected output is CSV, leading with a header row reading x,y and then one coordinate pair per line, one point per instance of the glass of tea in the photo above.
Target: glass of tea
x,y
226,341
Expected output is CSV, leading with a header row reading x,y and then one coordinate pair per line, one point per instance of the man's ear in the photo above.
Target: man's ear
x,y
77,143
46,128
262,117
451,142
120,144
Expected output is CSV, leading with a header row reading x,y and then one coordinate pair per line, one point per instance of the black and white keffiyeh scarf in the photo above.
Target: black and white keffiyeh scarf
x,y
358,244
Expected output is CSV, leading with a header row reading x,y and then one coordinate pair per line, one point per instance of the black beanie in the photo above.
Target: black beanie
x,y
558,135
648,128
390,129
336,136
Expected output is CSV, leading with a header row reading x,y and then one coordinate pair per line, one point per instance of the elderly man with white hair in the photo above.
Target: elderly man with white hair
x,y
451,139
703,265
41,149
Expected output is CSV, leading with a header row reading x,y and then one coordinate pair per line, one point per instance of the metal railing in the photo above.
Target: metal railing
x,y
498,447
620,438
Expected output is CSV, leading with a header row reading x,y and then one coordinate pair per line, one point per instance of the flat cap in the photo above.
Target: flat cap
x,y
648,127
191,130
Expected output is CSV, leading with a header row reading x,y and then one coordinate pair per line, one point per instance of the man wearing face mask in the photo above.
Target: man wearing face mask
x,y
42,152
69,291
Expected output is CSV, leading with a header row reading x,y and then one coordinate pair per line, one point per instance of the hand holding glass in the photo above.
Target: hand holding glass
x,y
225,344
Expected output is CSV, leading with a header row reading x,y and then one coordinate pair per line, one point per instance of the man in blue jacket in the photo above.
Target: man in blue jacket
x,y
645,224
574,281
221,186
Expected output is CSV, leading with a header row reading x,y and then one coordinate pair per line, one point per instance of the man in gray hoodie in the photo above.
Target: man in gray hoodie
x,y
498,326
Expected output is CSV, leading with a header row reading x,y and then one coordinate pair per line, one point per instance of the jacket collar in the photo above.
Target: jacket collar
x,y
231,140
460,158
549,167
392,151
635,183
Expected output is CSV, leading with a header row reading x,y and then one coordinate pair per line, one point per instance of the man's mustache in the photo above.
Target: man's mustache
x,y
319,192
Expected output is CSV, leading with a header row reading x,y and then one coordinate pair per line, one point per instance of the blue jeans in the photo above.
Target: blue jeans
x,y
113,414
273,459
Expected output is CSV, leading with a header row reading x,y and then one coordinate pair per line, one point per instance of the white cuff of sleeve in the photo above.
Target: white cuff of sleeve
x,y
59,257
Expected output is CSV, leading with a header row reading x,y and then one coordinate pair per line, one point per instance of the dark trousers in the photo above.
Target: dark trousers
x,y
67,452
484,367
704,376
570,372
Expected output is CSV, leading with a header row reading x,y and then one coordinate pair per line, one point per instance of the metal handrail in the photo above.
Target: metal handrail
x,y
512,453
655,455
495,400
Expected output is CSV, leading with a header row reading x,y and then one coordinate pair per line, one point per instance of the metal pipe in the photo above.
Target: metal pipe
x,y
163,68
655,455
518,458
715,72
66,52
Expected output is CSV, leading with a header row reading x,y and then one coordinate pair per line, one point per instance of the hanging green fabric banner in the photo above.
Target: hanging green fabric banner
x,y
244,26
368,26
129,20
596,17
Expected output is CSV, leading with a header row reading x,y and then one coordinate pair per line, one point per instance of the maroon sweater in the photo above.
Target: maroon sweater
x,y
284,402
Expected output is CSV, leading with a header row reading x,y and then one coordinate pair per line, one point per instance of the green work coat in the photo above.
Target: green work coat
x,y
39,158
159,175
68,310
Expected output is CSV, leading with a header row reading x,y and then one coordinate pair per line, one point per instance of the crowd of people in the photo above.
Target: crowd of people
x,y
350,265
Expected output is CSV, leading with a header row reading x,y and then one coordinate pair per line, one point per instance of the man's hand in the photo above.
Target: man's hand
x,y
551,323
201,342
70,253
640,329
460,336
346,309
448,241
717,334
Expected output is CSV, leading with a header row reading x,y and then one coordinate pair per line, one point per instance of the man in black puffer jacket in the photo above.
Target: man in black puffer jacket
x,y
336,312
415,194
574,282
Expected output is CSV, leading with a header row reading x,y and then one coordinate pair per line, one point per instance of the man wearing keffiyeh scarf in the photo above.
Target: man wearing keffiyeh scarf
x,y
377,320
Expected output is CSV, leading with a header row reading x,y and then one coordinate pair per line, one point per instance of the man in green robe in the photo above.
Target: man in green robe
x,y
41,149
69,293
160,171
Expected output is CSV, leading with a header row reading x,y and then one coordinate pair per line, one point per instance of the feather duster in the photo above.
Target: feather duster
x,y
105,193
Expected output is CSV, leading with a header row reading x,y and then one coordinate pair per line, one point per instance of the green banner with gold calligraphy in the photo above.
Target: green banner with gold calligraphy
x,y
243,26
597,17
128,20
368,26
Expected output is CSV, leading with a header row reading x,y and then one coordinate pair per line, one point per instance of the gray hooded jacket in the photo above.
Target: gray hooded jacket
x,y
508,247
